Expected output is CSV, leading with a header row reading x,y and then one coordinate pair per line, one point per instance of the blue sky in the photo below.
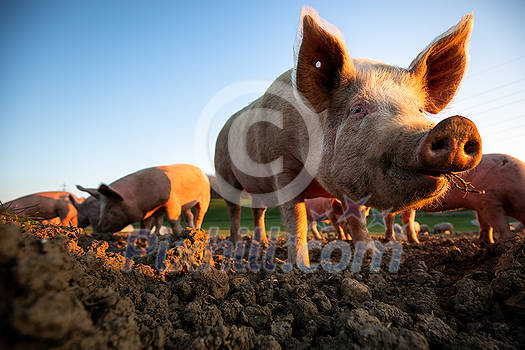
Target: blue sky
x,y
93,90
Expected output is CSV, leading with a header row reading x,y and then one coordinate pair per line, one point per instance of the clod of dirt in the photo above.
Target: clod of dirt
x,y
473,300
355,290
435,330
189,254
360,329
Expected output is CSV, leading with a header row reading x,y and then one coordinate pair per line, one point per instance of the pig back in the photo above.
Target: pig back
x,y
143,191
188,183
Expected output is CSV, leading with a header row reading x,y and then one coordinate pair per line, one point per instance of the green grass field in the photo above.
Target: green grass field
x,y
217,216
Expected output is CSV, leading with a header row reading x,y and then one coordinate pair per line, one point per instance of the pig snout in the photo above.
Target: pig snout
x,y
452,145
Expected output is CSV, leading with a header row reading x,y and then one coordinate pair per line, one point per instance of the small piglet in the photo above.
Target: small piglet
x,y
352,129
46,205
321,209
502,177
137,197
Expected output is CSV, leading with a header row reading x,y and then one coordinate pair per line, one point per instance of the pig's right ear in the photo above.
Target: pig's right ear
x,y
91,191
321,60
109,192
442,65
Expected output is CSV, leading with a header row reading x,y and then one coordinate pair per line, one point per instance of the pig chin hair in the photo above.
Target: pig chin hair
x,y
433,201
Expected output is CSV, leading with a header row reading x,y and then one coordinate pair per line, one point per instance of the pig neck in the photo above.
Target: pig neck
x,y
323,177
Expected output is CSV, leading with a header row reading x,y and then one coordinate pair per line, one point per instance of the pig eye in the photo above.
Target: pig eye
x,y
358,110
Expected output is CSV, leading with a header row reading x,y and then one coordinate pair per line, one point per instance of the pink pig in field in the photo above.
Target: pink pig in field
x,y
174,189
352,129
502,177
46,205
88,213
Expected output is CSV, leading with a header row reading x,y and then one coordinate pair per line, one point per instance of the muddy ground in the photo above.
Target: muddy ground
x,y
64,289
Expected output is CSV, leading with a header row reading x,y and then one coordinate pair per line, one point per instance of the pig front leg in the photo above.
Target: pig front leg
x,y
147,224
408,218
156,219
296,223
234,212
258,220
485,231
201,208
353,217
340,232
388,219
358,229
159,220
188,216
496,217
174,214
317,235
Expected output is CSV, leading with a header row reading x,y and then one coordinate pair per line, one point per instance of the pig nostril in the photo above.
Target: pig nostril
x,y
439,144
471,147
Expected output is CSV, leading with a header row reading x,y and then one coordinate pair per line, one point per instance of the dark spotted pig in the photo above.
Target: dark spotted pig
x,y
137,197
88,213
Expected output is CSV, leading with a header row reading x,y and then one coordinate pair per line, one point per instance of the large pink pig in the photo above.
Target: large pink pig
x,y
46,205
502,177
137,197
346,128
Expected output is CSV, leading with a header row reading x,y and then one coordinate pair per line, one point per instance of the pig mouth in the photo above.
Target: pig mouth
x,y
408,175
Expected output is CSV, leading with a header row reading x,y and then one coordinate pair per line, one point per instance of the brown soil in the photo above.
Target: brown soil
x,y
63,289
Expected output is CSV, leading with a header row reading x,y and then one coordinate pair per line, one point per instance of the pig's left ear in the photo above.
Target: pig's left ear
x,y
442,65
321,60
91,191
109,192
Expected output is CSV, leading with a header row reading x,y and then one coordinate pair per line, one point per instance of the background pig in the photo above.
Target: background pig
x,y
516,226
502,177
411,226
398,229
443,227
136,197
46,205
350,129
322,207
